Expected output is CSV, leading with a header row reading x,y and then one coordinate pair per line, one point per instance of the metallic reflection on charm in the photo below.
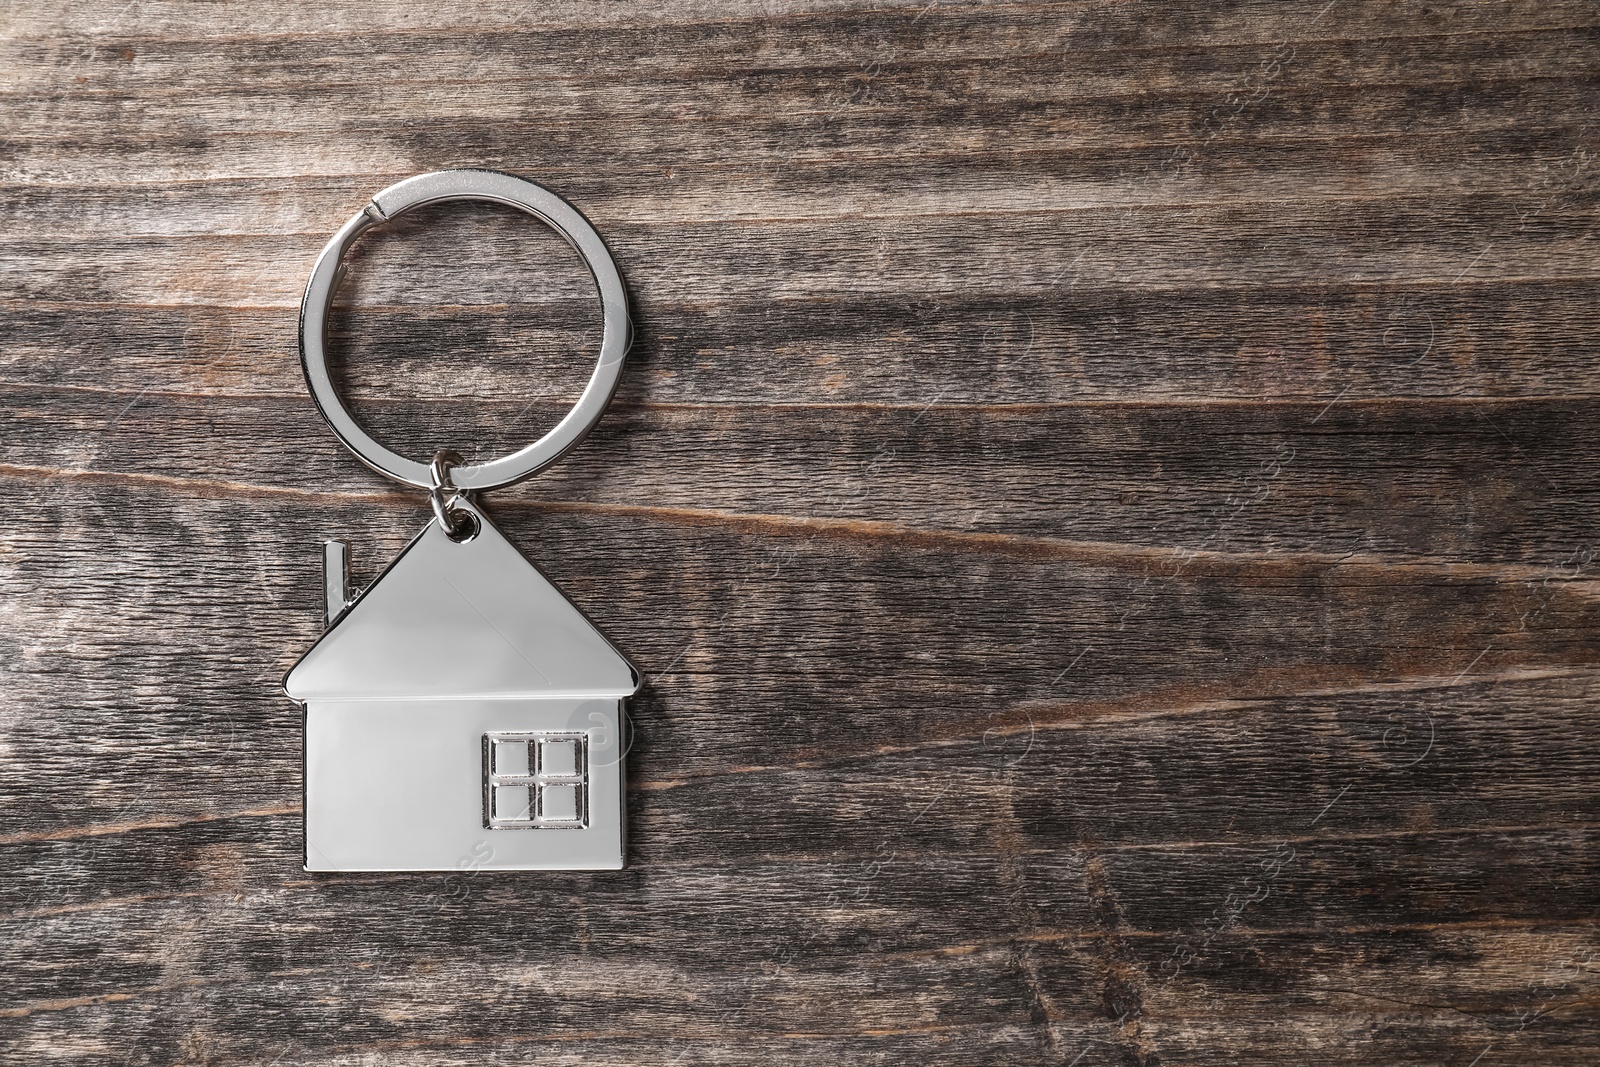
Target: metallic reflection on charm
x,y
462,694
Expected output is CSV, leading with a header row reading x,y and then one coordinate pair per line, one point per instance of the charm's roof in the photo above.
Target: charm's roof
x,y
473,620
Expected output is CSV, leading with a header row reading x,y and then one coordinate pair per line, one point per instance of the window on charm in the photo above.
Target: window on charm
x,y
535,780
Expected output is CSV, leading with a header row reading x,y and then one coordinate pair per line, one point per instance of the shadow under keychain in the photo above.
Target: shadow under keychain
x,y
460,712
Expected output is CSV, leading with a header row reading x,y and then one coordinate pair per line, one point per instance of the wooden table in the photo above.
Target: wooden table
x,y
1105,495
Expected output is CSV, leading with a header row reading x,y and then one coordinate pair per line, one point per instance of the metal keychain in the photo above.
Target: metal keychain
x,y
460,712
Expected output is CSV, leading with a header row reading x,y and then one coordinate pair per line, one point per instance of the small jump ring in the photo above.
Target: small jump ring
x,y
569,223
458,524
440,466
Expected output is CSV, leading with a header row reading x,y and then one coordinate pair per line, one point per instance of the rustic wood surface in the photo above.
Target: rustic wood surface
x,y
1105,494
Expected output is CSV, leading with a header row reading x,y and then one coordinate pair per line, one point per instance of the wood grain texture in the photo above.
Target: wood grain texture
x,y
1105,495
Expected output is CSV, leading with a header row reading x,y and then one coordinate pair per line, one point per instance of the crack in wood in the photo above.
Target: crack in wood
x,y
1122,982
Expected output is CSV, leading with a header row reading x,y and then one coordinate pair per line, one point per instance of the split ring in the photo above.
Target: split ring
x,y
498,188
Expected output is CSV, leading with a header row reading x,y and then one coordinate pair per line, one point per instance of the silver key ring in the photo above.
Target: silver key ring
x,y
501,189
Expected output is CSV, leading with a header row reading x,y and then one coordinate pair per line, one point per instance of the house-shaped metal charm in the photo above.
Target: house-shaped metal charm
x,y
462,714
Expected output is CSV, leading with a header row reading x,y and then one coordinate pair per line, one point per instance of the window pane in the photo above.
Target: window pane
x,y
558,802
558,757
511,757
511,802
